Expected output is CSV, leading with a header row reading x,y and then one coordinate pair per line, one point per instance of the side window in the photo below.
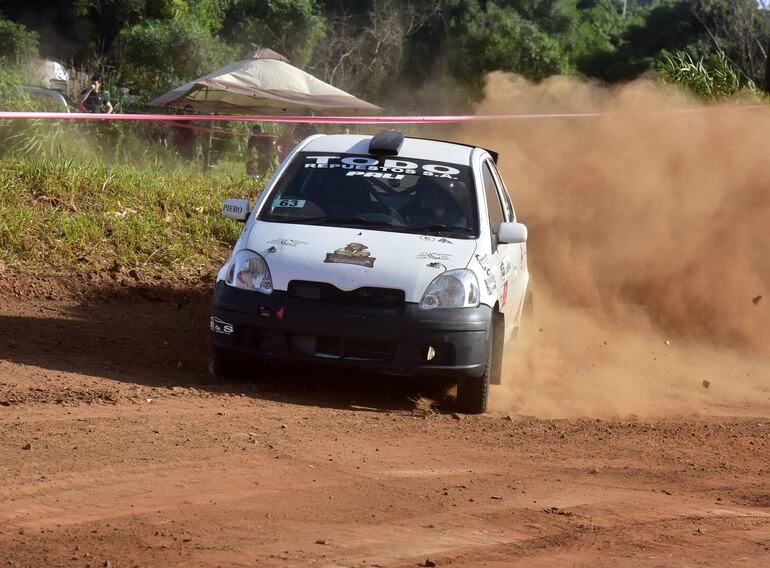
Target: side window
x,y
510,214
493,199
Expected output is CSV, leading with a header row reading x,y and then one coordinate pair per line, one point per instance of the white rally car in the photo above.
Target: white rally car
x,y
393,254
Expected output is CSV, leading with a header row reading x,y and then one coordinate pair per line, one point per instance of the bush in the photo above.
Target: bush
x,y
17,43
500,39
159,55
710,79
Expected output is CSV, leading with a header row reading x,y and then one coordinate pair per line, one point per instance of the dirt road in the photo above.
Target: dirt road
x,y
117,449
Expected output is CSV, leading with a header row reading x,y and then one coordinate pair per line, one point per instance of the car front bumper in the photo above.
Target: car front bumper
x,y
403,340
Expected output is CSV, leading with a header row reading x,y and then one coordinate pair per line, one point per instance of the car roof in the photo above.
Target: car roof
x,y
422,149
51,93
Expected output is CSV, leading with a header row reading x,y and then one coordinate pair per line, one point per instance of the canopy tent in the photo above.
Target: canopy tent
x,y
263,83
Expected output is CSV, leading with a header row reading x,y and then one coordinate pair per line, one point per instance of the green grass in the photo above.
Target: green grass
x,y
710,80
58,215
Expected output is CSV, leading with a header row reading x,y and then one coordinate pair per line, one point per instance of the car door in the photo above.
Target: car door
x,y
518,254
502,254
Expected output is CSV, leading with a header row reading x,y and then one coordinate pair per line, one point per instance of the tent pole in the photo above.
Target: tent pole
x,y
207,139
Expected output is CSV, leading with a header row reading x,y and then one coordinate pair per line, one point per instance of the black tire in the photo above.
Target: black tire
x,y
225,365
473,392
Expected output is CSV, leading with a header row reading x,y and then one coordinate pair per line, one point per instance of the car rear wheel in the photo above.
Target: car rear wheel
x,y
473,392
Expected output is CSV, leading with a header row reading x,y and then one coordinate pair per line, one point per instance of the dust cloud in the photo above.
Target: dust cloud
x,y
649,247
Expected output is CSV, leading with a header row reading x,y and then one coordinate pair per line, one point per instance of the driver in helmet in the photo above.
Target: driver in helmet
x,y
434,205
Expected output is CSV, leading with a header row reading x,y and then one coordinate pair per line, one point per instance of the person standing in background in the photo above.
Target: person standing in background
x,y
260,151
93,100
184,136
286,141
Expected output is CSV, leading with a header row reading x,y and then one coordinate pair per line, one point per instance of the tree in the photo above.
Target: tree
x,y
499,38
740,29
158,55
291,27
364,50
765,5
375,47
600,28
666,27
17,43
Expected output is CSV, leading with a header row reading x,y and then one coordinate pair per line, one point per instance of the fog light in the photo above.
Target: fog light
x,y
431,353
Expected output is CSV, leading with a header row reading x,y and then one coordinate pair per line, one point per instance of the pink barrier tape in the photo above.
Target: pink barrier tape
x,y
348,119
287,119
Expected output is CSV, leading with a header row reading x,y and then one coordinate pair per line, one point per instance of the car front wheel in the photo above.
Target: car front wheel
x,y
225,366
473,392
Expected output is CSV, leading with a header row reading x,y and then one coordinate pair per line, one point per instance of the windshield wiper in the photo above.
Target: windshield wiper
x,y
439,228
355,221
358,221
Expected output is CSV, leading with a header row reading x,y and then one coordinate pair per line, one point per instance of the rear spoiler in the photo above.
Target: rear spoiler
x,y
492,153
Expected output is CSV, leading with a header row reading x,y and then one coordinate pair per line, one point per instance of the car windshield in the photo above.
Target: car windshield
x,y
388,193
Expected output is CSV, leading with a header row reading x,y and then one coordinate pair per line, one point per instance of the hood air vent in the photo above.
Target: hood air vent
x,y
386,142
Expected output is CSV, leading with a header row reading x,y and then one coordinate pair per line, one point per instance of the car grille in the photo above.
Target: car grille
x,y
368,296
341,348
346,348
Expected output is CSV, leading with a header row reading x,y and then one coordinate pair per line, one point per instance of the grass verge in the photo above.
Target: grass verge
x,y
62,216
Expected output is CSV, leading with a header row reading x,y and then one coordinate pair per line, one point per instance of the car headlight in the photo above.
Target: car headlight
x,y
249,271
452,289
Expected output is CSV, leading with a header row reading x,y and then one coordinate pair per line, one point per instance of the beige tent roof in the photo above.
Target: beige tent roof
x,y
263,83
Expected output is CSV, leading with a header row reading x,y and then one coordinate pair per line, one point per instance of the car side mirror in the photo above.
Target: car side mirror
x,y
236,209
512,233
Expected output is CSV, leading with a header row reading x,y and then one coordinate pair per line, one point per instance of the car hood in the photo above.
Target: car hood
x,y
354,258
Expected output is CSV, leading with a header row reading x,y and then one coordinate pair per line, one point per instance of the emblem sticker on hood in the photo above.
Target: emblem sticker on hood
x,y
434,255
352,253
287,242
436,239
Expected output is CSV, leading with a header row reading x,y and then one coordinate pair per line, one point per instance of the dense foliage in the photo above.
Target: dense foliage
x,y
441,49
17,43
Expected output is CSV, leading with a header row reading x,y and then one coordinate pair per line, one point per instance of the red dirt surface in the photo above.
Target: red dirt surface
x,y
118,449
